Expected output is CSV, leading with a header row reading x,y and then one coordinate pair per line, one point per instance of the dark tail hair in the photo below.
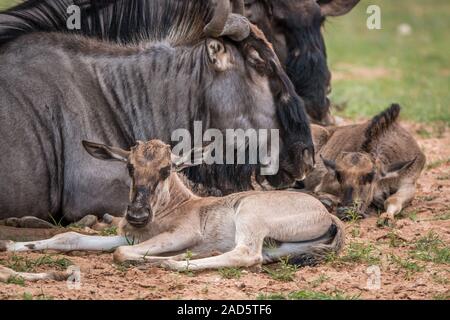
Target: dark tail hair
x,y
309,253
380,125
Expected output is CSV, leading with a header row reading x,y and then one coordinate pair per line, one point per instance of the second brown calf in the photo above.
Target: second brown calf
x,y
375,163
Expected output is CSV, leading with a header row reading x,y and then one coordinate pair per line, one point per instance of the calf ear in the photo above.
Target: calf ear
x,y
329,164
394,170
334,8
200,155
104,152
218,55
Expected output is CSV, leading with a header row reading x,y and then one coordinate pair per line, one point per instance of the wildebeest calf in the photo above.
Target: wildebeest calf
x,y
377,163
164,217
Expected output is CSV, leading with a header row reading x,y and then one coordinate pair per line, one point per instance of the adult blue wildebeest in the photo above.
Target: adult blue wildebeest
x,y
295,29
292,26
195,62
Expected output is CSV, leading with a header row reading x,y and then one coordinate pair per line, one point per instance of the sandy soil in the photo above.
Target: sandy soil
x,y
403,278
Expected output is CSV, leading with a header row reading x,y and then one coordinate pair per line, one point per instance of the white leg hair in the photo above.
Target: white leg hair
x,y
247,253
396,202
175,241
6,274
70,241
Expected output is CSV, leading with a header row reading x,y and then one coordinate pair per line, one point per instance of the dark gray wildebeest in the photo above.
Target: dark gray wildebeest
x,y
57,89
292,26
375,163
165,217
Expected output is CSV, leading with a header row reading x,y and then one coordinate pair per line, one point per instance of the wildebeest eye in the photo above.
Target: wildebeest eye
x,y
164,173
130,169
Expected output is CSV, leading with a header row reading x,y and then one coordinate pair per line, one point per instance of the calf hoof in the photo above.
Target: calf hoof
x,y
174,265
5,245
35,223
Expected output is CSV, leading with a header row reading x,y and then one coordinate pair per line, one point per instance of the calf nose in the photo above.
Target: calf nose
x,y
138,217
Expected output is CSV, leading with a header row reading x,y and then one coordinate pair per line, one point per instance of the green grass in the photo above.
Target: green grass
x,y
16,280
282,272
7,3
360,253
306,295
110,231
319,280
442,296
25,264
30,296
230,273
406,264
431,248
417,66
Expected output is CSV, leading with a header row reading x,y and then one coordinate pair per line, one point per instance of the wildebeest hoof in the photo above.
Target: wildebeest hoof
x,y
107,218
12,222
5,245
87,221
35,223
173,265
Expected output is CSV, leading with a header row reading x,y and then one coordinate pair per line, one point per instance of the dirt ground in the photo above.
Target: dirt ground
x,y
410,260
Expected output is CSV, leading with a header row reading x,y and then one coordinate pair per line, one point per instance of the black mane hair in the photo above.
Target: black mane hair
x,y
120,21
379,125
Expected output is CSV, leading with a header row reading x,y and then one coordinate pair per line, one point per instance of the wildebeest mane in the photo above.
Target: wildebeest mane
x,y
120,21
379,125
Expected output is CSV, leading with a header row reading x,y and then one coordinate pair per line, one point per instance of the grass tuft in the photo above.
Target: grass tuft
x,y
230,273
307,295
283,272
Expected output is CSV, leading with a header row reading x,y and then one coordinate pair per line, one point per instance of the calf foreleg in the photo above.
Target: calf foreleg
x,y
396,202
7,274
178,240
70,241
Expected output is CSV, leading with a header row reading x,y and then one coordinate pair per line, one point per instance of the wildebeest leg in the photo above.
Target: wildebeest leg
x,y
247,253
69,241
6,274
241,256
396,202
27,222
162,243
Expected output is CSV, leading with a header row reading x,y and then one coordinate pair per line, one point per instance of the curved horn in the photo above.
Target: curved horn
x,y
217,24
336,8
237,27
238,7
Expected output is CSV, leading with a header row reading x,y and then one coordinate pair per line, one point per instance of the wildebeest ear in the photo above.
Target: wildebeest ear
x,y
104,152
334,8
218,55
394,170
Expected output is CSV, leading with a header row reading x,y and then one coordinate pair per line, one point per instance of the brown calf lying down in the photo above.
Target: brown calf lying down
x,y
375,163
165,217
